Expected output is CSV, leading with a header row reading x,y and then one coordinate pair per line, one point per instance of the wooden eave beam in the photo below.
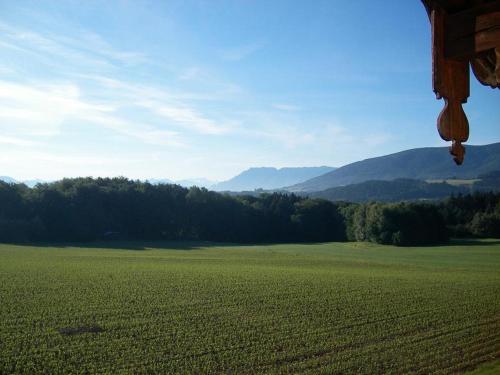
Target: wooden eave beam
x,y
472,31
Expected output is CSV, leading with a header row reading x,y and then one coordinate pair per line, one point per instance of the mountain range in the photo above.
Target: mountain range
x,y
269,178
346,183
420,163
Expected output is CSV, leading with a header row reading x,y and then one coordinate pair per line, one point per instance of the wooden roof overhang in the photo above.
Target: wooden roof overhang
x,y
463,32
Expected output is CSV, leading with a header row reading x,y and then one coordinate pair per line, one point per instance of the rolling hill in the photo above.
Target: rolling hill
x,y
420,163
401,189
270,178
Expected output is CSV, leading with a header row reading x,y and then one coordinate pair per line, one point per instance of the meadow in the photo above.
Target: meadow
x,y
206,308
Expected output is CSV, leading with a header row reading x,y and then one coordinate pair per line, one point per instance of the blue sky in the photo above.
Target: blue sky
x,y
181,89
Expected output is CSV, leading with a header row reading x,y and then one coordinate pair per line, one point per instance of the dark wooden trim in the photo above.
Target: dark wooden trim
x,y
470,34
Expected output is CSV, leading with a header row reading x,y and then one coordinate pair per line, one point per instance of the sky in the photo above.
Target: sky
x,y
184,89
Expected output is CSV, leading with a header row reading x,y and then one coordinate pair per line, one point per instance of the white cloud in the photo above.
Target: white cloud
x,y
38,110
16,141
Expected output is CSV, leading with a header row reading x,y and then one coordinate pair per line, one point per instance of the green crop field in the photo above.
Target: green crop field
x,y
200,308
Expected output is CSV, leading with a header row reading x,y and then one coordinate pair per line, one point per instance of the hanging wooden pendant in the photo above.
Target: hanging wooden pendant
x,y
463,32
450,80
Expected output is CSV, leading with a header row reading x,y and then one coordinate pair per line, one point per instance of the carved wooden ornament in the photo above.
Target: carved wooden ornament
x,y
463,32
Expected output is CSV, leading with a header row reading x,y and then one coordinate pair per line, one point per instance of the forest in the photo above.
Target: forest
x,y
88,209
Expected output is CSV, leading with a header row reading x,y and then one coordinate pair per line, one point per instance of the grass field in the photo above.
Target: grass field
x,y
194,308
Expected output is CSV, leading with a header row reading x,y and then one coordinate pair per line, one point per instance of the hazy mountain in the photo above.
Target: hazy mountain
x,y
32,183
420,163
270,178
158,181
8,179
200,182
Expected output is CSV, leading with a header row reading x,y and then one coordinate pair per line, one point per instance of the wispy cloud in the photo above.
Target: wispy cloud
x,y
39,109
185,116
190,74
241,52
175,107
286,107
83,49
94,43
32,111
143,132
48,48
4,70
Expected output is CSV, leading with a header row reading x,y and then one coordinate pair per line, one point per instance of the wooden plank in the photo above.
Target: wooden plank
x,y
450,77
464,24
472,31
466,48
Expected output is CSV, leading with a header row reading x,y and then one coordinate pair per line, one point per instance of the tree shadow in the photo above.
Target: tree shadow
x,y
136,245
131,245
473,242
145,245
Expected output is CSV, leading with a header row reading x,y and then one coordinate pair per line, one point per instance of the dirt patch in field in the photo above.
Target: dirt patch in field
x,y
69,331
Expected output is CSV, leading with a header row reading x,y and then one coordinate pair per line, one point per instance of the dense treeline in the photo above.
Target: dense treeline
x,y
475,215
86,209
405,189
398,224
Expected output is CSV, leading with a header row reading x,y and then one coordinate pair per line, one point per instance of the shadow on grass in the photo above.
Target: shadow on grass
x,y
148,245
132,245
473,242
197,245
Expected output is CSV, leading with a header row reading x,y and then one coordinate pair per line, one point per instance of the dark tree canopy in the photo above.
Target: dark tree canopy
x,y
86,209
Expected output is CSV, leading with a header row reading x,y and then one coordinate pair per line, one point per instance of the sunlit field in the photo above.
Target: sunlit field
x,y
205,308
